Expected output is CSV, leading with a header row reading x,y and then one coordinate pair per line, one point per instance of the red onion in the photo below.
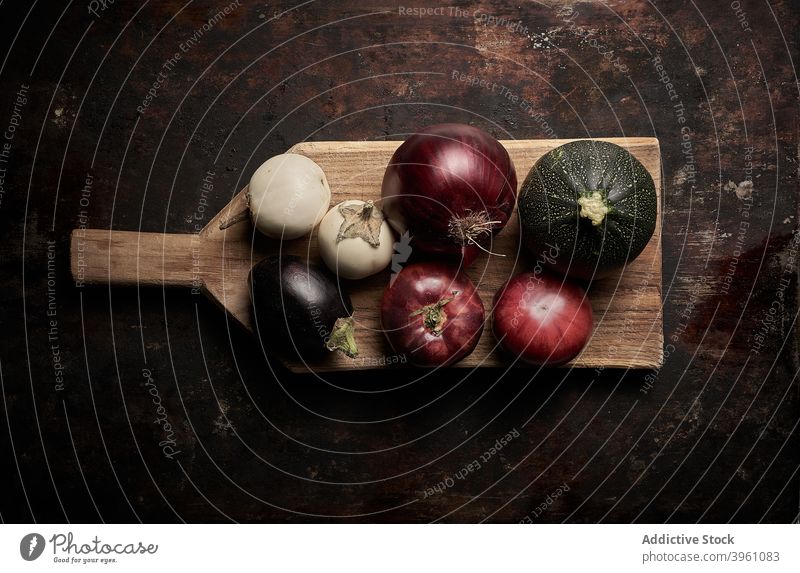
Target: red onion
x,y
432,313
452,187
542,319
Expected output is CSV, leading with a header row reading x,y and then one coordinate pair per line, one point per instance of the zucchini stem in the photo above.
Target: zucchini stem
x,y
593,207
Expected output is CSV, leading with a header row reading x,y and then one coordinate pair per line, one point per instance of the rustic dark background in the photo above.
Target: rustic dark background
x,y
714,439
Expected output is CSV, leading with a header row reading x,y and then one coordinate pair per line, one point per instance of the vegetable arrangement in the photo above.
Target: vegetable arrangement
x,y
590,205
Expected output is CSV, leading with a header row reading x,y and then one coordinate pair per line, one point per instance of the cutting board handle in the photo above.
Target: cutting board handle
x,y
100,256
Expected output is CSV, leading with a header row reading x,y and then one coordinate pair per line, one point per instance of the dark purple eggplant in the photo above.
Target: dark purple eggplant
x,y
299,309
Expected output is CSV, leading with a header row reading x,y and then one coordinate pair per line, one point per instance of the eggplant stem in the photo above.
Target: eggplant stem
x,y
343,337
362,222
366,212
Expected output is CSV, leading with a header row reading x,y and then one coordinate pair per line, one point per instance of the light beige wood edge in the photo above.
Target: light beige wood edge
x,y
100,256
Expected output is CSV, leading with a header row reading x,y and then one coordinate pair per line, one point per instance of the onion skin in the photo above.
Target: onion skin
x,y
296,305
450,185
422,285
542,319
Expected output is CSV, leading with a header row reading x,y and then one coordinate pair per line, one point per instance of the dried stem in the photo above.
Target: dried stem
x,y
433,315
468,229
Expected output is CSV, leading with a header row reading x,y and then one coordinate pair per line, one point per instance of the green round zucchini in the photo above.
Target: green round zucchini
x,y
593,202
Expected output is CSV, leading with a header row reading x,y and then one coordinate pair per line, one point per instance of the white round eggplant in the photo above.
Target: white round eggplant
x,y
355,239
288,196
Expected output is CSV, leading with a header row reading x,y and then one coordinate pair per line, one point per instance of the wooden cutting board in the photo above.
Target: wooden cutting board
x,y
628,330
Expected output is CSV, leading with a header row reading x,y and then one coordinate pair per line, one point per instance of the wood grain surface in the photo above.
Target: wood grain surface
x,y
627,307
